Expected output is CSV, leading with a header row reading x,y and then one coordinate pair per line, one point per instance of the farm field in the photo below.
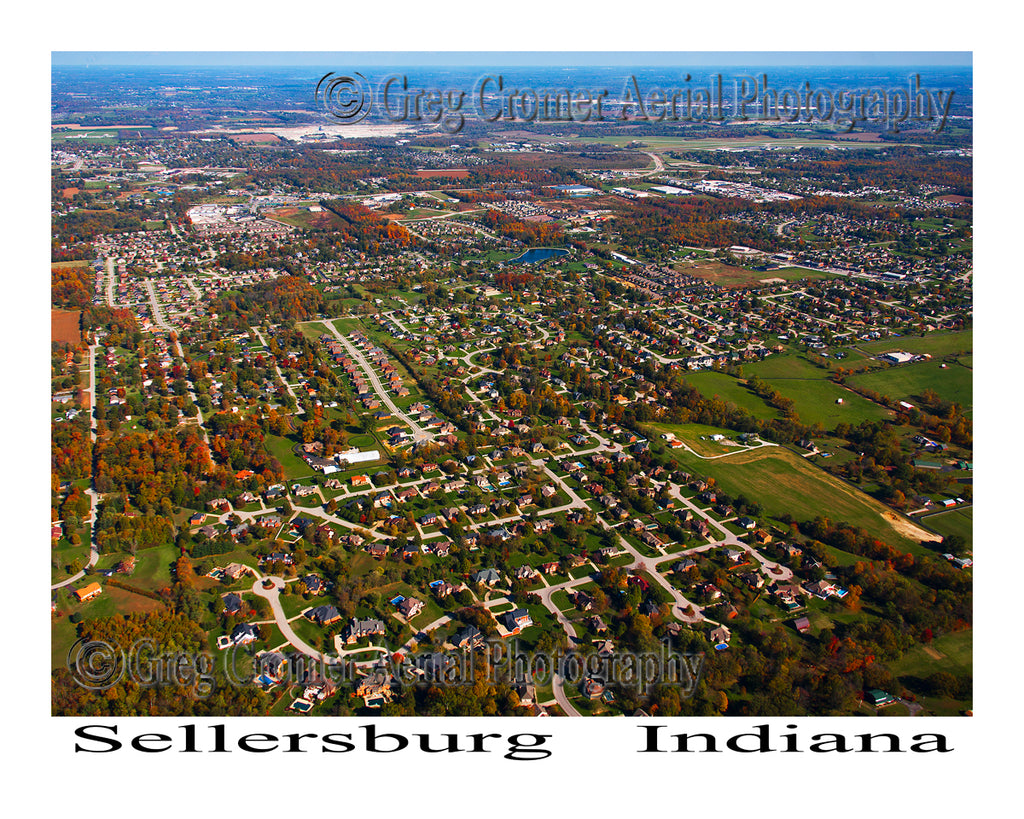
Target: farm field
x,y
955,522
934,344
955,654
814,396
784,483
908,381
727,388
64,326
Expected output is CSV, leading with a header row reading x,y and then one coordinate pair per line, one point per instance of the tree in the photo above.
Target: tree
x,y
184,572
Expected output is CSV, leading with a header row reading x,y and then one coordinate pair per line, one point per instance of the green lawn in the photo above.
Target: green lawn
x,y
908,382
957,651
281,448
348,325
153,567
719,385
935,344
784,483
955,522
814,396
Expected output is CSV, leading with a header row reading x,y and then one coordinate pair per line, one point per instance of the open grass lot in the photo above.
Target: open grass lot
x,y
715,384
909,381
312,330
64,558
790,274
302,218
112,601
955,522
152,566
783,482
935,344
814,396
281,448
692,434
955,655
421,213
62,636
347,325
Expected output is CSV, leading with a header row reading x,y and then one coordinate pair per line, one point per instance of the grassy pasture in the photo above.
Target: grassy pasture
x,y
909,381
785,483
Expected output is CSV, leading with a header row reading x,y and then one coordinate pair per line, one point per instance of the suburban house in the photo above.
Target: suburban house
x,y
467,637
375,687
244,633
719,635
489,577
232,603
357,629
88,592
821,589
516,620
324,615
410,607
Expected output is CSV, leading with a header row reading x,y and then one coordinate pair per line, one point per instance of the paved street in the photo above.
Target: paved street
x,y
418,433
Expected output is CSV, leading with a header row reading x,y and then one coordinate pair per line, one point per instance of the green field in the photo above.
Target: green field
x,y
347,325
957,654
935,344
785,483
719,385
152,566
909,381
955,522
312,330
814,396
698,438
293,465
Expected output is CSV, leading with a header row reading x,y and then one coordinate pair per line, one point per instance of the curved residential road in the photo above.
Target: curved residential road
x,y
687,447
274,597
781,228
558,688
771,569
94,553
343,652
557,681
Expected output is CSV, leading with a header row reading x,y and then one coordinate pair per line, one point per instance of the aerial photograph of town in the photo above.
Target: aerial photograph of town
x,y
388,386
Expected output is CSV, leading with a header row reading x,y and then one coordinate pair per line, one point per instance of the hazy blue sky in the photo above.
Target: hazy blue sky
x,y
510,58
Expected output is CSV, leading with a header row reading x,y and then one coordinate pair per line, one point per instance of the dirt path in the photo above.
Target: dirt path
x,y
908,529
